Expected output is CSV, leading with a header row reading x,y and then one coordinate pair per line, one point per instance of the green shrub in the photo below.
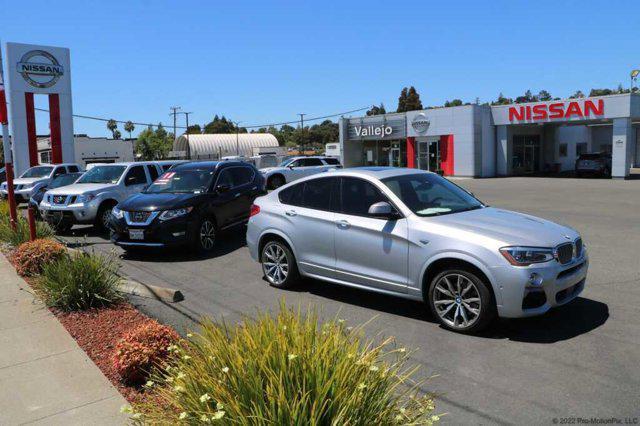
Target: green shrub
x,y
30,257
286,370
80,281
21,234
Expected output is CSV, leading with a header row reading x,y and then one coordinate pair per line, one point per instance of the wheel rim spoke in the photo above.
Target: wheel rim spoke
x,y
275,264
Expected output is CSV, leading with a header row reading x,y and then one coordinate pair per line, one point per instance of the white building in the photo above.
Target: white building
x,y
91,150
218,145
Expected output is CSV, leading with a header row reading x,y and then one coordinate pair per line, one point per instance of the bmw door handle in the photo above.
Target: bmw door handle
x,y
290,213
343,224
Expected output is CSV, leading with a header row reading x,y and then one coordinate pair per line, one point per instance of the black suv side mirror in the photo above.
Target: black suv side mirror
x,y
383,210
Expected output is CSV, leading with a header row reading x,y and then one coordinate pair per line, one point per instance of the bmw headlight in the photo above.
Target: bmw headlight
x,y
85,198
117,213
525,256
172,214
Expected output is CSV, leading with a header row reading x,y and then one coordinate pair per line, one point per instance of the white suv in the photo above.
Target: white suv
x,y
35,178
298,167
92,197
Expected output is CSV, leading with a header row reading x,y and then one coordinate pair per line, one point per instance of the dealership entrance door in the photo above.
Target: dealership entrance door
x,y
526,154
429,155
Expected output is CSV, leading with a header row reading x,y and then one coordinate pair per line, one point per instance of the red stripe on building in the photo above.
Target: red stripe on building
x,y
54,120
411,152
446,154
4,117
31,129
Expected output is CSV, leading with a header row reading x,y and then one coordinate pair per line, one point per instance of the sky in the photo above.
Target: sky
x,y
262,62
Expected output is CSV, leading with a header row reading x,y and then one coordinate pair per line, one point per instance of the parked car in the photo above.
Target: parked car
x,y
294,168
3,175
415,234
36,177
90,199
188,205
56,182
594,164
167,164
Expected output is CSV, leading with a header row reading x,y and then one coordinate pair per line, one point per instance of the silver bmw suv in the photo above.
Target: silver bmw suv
x,y
414,234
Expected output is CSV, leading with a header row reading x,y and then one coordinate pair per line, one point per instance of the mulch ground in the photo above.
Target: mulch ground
x,y
97,331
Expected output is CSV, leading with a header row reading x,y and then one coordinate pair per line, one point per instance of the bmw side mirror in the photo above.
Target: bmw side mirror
x,y
223,187
383,210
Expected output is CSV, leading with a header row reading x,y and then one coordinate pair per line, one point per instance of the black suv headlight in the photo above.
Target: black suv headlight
x,y
172,214
525,256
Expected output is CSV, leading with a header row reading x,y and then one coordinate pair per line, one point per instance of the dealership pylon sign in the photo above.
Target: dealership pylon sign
x,y
39,70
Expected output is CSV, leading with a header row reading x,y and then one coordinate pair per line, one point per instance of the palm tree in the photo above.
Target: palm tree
x,y
129,127
117,134
112,125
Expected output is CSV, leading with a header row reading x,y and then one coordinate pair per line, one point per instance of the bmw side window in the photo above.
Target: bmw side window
x,y
317,194
292,195
153,172
135,176
358,195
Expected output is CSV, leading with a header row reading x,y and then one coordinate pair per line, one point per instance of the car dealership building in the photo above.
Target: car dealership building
x,y
505,140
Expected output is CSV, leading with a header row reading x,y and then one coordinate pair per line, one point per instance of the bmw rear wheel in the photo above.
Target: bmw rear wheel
x,y
278,264
461,301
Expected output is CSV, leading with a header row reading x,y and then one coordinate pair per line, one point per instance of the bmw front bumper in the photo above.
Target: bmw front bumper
x,y
559,285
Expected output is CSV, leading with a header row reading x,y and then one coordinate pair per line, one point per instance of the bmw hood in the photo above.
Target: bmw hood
x,y
152,202
82,188
506,227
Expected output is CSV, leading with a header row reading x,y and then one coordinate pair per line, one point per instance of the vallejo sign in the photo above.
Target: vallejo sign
x,y
380,131
376,128
40,68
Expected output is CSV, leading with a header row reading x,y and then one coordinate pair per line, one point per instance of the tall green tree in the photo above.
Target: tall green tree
x,y
527,97
194,129
112,125
601,92
502,100
129,127
413,100
544,96
455,102
117,134
402,100
154,144
577,95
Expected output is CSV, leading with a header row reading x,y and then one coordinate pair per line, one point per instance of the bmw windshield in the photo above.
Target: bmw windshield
x,y
103,174
428,194
182,181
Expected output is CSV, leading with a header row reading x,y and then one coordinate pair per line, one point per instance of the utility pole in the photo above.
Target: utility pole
x,y
6,146
186,114
302,129
237,123
174,112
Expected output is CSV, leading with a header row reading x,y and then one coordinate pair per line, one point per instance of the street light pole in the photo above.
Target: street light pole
x,y
302,128
186,114
174,112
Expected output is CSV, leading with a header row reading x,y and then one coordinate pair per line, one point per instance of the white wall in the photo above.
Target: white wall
x,y
570,135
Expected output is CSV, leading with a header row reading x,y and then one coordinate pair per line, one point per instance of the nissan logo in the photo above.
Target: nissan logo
x,y
420,123
40,69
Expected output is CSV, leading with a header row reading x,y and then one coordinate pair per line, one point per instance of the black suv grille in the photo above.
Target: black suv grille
x,y
565,253
139,217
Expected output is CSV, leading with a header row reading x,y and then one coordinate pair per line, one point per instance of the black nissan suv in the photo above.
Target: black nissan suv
x,y
188,205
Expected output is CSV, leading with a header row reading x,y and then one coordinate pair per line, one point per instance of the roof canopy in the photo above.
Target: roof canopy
x,y
224,144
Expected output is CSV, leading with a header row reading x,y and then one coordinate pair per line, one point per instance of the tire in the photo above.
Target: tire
x,y
103,217
279,265
204,240
276,182
473,295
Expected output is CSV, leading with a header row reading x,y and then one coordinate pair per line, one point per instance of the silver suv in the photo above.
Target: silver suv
x,y
37,177
91,198
414,234
294,168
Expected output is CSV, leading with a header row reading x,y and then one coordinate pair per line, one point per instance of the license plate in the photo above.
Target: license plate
x,y
136,234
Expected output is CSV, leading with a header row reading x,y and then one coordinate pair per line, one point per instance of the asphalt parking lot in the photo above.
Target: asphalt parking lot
x,y
581,360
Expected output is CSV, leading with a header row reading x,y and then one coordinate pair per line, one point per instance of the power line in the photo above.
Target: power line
x,y
253,126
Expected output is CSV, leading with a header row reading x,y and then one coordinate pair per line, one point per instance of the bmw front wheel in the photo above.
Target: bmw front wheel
x,y
278,264
461,301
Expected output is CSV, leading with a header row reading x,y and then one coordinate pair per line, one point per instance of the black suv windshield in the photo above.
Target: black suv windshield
x,y
37,172
103,174
182,181
428,194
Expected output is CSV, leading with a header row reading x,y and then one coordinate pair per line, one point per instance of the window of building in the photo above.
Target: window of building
x,y
45,157
563,149
581,148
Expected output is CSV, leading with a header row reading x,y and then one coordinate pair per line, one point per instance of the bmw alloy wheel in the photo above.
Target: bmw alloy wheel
x,y
457,301
275,264
207,235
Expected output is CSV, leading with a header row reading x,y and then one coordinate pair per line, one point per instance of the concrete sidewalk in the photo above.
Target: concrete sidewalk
x,y
45,377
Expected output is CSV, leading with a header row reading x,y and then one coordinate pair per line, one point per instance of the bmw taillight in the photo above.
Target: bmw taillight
x,y
255,209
